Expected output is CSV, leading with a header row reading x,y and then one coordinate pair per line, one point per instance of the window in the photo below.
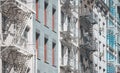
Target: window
x,y
26,32
104,52
53,54
68,57
4,23
45,12
5,67
37,43
62,54
45,49
53,18
62,20
37,7
69,19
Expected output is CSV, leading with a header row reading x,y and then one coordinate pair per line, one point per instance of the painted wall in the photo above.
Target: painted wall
x,y
46,31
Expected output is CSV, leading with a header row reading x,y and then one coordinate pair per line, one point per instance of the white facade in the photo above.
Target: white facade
x,y
99,31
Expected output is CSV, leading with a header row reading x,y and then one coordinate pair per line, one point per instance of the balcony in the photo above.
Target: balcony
x,y
88,20
12,7
88,43
17,43
90,46
65,64
14,37
66,38
67,68
14,57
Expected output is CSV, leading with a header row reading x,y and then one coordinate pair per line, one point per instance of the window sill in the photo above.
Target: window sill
x,y
46,26
38,59
54,31
38,20
46,62
54,66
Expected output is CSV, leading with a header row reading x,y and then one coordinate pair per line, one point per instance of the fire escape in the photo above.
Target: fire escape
x,y
14,52
88,43
67,38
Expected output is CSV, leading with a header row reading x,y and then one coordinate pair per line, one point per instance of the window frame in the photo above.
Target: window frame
x,y
37,44
53,53
45,12
37,9
45,49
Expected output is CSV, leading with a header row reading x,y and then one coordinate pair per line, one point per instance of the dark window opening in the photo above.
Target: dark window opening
x,y
26,31
53,18
45,12
37,9
45,49
53,54
37,43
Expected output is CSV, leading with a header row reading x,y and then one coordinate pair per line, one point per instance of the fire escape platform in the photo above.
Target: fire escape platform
x,y
67,67
13,57
22,50
18,4
18,49
66,39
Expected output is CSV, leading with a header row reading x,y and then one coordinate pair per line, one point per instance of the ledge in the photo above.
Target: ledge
x,y
46,26
46,62
38,59
37,20
54,31
54,66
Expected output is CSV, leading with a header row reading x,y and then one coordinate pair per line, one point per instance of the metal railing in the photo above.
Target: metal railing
x,y
20,42
89,44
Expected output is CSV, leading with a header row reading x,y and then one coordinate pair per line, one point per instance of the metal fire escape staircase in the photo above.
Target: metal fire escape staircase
x,y
14,46
67,38
87,20
87,44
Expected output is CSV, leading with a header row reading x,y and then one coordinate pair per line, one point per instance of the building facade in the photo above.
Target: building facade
x,y
17,55
99,32
45,33
68,37
60,36
113,36
88,43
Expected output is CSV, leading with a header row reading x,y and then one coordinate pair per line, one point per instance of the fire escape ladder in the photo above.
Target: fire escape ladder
x,y
16,16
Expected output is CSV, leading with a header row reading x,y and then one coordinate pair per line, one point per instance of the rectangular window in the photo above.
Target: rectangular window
x,y
26,32
53,54
53,18
37,7
37,43
4,23
45,49
45,12
62,54
62,20
68,56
